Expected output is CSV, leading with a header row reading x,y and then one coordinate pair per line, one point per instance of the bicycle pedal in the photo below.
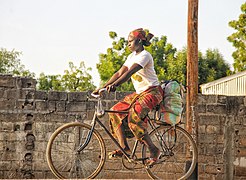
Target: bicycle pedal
x,y
113,156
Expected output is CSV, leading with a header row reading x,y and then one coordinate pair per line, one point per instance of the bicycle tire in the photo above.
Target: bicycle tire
x,y
176,165
63,159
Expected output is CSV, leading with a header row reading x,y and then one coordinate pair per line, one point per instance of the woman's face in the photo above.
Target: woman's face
x,y
133,43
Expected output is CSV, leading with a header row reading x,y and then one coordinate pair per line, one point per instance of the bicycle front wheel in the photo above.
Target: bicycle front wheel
x,y
179,153
63,157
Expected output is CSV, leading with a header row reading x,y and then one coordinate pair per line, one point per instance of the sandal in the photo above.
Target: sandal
x,y
117,153
152,161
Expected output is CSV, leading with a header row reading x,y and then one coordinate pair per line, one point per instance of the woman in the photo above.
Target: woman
x,y
139,66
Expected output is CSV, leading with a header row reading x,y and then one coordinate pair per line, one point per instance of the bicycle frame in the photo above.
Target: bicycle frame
x,y
100,112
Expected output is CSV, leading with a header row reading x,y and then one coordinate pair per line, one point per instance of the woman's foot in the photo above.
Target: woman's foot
x,y
154,157
118,153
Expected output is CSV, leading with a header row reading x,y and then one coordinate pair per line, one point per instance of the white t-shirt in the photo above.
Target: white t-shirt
x,y
145,77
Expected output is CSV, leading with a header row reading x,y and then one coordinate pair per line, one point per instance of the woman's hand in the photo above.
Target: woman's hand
x,y
96,92
111,88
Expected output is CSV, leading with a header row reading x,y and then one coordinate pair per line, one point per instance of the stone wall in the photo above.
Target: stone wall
x,y
28,117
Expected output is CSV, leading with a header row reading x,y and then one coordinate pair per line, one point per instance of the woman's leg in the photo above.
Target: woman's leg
x,y
120,133
154,151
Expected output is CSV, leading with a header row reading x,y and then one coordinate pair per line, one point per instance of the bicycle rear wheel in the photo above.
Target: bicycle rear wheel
x,y
63,158
178,159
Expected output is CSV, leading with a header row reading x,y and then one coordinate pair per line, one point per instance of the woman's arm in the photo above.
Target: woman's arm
x,y
116,76
124,77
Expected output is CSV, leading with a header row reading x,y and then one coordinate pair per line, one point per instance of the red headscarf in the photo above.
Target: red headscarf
x,y
141,34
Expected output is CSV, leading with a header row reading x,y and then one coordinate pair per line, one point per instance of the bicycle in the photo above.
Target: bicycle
x,y
77,150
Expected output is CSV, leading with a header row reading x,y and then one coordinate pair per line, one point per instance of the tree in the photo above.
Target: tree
x,y
10,64
212,66
176,66
50,82
238,40
77,78
74,79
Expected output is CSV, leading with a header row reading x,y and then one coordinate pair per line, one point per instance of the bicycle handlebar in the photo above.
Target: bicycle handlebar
x,y
99,93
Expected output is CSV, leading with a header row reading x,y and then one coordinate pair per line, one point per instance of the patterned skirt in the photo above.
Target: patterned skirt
x,y
139,105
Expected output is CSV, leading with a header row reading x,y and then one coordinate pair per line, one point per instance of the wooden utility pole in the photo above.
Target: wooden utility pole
x,y
192,73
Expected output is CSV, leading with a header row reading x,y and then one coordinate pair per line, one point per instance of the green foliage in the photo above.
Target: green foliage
x,y
238,40
10,64
74,79
176,66
77,79
50,82
212,66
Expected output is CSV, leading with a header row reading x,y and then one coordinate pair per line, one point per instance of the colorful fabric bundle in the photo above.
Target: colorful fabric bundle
x,y
172,105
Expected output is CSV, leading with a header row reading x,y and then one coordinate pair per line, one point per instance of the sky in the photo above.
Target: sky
x,y
51,33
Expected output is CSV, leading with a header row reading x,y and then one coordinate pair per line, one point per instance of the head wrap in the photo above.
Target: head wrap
x,y
143,35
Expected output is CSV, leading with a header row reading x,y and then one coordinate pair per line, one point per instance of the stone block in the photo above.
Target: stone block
x,y
91,105
216,109
201,108
210,149
2,92
240,130
61,106
207,138
38,174
26,94
26,82
241,110
240,171
57,96
121,95
52,106
41,105
242,141
109,96
206,159
202,129
222,99
25,105
205,119
8,117
7,126
219,149
78,96
212,129
214,169
220,139
207,99
7,81
41,95
56,117
233,104
8,104
240,152
76,107
5,165
10,94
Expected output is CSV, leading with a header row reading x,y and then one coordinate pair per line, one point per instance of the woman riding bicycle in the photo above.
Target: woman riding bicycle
x,y
139,66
